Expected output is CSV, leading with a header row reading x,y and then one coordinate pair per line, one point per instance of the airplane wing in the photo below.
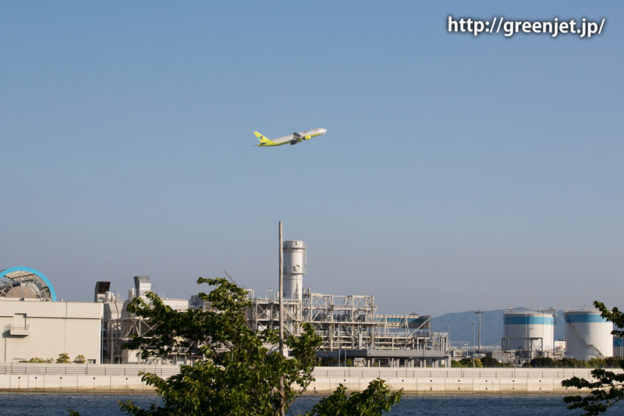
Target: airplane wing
x,y
296,138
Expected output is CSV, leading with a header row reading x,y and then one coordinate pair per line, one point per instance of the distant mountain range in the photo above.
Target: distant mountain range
x,y
463,327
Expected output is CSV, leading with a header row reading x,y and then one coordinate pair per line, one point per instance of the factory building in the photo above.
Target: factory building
x,y
36,326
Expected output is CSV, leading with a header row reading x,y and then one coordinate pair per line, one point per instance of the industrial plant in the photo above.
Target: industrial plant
x,y
350,326
36,325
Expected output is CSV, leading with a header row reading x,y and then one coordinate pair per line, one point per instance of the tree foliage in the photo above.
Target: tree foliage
x,y
492,362
608,388
479,362
547,362
469,362
63,358
38,360
373,401
237,371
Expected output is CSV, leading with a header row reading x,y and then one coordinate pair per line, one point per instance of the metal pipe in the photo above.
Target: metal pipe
x,y
281,315
281,292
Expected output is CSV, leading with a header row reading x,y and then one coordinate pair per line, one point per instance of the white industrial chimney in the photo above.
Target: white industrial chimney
x,y
294,268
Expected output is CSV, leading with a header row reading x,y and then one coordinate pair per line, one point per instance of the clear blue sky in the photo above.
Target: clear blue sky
x,y
457,172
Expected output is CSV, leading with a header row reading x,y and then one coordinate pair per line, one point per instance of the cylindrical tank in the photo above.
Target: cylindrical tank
x,y
618,347
588,335
526,330
294,268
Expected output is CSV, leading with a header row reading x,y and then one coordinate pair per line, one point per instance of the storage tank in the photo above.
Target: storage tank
x,y
618,347
527,330
588,335
294,268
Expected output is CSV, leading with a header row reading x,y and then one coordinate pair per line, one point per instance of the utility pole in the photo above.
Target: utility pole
x,y
479,313
472,356
474,344
281,315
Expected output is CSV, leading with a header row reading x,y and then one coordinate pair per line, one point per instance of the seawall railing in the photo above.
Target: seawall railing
x,y
88,369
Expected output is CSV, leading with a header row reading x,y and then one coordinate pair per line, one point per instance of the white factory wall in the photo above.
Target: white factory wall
x,y
32,328
179,305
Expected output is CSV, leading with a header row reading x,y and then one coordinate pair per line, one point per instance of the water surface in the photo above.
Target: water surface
x,y
35,404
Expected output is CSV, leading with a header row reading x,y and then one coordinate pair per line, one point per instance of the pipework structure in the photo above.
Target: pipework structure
x,y
263,313
350,327
342,321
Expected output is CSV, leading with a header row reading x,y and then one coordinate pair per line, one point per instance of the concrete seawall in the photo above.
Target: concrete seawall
x,y
449,381
107,378
87,378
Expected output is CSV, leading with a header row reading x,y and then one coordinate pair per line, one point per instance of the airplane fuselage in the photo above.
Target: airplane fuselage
x,y
291,138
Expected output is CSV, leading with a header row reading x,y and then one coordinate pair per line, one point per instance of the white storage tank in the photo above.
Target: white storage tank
x,y
588,335
294,268
527,330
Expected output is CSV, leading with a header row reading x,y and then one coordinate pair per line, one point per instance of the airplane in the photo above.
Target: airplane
x,y
291,138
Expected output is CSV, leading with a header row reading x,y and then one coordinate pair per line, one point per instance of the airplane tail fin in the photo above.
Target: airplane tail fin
x,y
262,139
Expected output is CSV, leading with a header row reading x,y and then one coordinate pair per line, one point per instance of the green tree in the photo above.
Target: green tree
x,y
373,401
63,358
37,360
470,362
490,362
609,387
235,373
